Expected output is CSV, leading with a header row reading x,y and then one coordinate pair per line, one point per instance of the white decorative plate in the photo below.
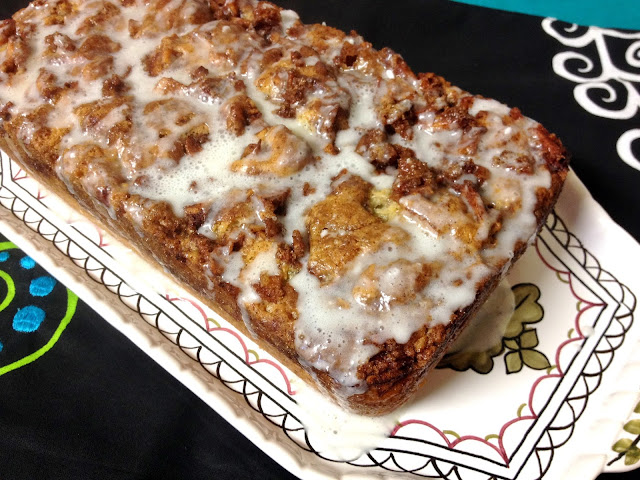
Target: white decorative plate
x,y
548,400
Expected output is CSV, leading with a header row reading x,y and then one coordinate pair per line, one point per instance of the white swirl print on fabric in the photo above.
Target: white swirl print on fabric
x,y
624,147
604,88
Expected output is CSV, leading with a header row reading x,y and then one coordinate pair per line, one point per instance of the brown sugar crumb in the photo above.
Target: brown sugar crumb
x,y
414,176
348,55
515,113
322,37
289,263
399,117
98,68
196,215
114,86
266,18
307,189
199,73
7,30
59,12
5,111
91,115
435,87
241,112
190,142
96,46
457,116
522,164
101,21
58,45
290,255
16,53
171,48
208,89
195,139
47,86
271,56
374,146
299,246
271,288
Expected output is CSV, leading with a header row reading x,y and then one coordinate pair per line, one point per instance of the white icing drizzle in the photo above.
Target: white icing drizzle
x,y
336,433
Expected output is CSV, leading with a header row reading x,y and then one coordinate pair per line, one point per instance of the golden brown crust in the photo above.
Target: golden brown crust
x,y
360,231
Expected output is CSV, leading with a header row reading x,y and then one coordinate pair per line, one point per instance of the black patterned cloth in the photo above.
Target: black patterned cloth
x,y
79,401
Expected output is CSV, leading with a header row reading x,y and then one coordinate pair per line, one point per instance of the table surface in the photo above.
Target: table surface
x,y
96,407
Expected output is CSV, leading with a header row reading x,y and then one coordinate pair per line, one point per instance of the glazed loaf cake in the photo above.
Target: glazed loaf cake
x,y
347,213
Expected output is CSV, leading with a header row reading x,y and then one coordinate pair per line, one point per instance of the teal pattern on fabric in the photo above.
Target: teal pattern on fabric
x,y
42,286
610,14
39,305
4,256
28,319
27,263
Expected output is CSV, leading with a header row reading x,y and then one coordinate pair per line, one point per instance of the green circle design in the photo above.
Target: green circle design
x,y
72,303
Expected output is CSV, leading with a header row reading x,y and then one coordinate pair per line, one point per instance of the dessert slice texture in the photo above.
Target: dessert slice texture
x,y
349,214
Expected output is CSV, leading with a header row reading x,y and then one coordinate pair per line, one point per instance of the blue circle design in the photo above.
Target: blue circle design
x,y
42,286
4,256
1,346
28,319
27,263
